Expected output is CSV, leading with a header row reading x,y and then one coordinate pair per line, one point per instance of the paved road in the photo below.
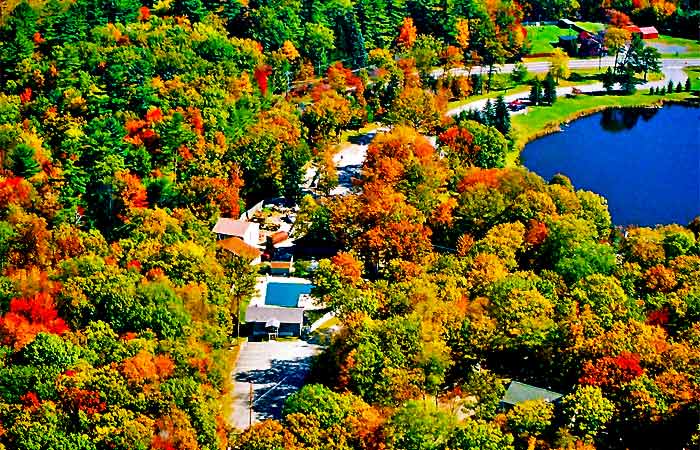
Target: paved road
x,y
276,369
672,70
543,66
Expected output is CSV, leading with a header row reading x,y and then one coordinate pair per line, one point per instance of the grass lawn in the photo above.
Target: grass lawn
x,y
542,37
692,46
694,75
539,119
593,27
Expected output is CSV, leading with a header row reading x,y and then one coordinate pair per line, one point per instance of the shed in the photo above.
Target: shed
x,y
282,262
649,33
518,392
288,321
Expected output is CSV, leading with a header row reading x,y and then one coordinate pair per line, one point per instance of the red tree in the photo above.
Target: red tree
x,y
28,317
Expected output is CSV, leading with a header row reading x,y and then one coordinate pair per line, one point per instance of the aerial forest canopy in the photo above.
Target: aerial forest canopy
x,y
127,129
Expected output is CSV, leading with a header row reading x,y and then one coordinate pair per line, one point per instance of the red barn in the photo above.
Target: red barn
x,y
649,33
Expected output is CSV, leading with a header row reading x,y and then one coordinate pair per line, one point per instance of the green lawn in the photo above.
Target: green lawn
x,y
694,75
541,38
692,46
539,119
593,27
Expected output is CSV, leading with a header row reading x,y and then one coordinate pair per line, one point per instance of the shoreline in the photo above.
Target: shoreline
x,y
554,126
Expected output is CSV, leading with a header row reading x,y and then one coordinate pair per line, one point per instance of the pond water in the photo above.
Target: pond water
x,y
646,162
285,294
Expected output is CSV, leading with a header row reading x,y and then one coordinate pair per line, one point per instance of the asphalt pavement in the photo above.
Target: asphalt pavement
x,y
275,370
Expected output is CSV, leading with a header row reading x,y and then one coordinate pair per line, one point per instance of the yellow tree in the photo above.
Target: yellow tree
x,y
560,64
615,40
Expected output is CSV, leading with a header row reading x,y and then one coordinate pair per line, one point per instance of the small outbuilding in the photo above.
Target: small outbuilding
x,y
649,32
518,392
272,319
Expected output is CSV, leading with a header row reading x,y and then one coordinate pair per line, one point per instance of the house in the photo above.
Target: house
x,y
239,247
249,232
569,44
520,392
633,29
282,262
275,319
649,33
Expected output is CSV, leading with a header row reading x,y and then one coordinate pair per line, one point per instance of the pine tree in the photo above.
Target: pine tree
x,y
669,87
550,89
628,82
23,163
502,122
489,113
477,84
608,80
652,91
687,84
662,91
679,87
536,92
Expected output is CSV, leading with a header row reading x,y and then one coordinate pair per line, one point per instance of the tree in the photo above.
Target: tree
x,y
560,64
650,60
536,92
502,119
679,87
587,411
419,426
489,114
628,82
687,84
24,163
519,73
669,87
480,435
550,89
407,34
615,40
609,80
530,418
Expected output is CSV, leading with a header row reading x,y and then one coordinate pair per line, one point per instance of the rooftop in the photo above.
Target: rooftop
x,y
266,313
236,246
232,227
520,392
648,30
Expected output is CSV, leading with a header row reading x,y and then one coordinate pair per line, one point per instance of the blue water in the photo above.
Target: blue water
x,y
285,294
645,162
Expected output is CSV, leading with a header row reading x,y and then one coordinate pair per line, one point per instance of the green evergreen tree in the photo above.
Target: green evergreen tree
x,y
628,82
652,91
679,87
550,89
477,84
669,87
23,163
16,38
687,84
608,80
502,122
662,91
489,113
536,92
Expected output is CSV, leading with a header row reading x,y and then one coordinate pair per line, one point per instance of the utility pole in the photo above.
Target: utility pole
x,y
250,405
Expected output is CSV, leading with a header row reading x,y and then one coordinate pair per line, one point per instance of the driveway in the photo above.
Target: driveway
x,y
276,369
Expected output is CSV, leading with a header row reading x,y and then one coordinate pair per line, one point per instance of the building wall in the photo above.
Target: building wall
x,y
252,235
286,329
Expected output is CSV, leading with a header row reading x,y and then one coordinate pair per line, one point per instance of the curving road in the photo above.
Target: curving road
x,y
672,69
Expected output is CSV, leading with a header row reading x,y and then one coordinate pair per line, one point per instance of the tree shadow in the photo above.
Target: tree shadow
x,y
362,139
282,379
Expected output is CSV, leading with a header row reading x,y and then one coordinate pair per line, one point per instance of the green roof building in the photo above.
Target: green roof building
x,y
520,392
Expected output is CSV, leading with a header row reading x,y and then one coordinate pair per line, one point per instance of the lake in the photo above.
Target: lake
x,y
646,162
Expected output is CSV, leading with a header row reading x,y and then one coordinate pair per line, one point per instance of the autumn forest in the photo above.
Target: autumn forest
x,y
127,128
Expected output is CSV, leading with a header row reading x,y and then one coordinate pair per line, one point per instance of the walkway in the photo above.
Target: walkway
x,y
276,370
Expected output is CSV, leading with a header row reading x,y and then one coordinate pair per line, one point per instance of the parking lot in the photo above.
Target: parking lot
x,y
276,369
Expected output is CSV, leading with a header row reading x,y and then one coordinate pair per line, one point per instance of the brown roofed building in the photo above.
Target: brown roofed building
x,y
238,247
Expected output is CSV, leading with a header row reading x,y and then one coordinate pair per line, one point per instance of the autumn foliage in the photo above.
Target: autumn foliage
x,y
29,316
